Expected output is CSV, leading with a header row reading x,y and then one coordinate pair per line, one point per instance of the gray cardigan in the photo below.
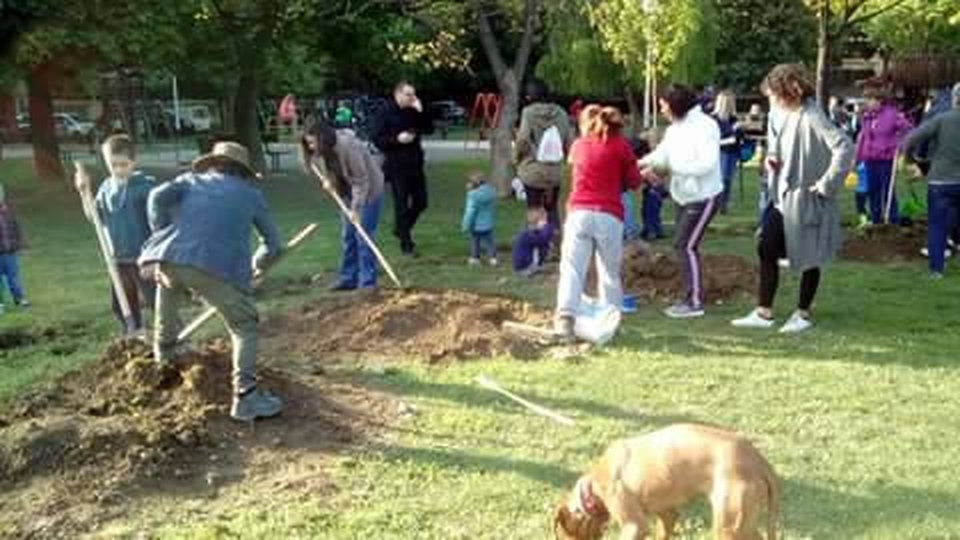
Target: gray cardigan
x,y
943,134
813,153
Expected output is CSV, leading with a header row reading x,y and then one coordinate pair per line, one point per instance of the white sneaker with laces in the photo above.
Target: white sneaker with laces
x,y
753,320
797,323
473,261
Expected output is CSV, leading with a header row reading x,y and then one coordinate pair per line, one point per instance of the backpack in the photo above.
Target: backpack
x,y
550,149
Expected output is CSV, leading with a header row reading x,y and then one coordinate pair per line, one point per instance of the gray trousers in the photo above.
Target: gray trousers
x,y
236,307
588,234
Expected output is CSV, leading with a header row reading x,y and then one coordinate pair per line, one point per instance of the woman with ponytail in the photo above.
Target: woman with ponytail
x,y
349,169
603,168
690,154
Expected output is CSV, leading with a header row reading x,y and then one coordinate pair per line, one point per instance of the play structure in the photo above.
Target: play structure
x,y
483,116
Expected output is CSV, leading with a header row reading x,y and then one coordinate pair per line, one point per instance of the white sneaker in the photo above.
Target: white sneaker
x,y
796,324
753,320
926,253
783,263
494,261
473,261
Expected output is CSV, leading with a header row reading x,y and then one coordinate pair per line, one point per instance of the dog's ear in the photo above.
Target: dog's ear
x,y
561,516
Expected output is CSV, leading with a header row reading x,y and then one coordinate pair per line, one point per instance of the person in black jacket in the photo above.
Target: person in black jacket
x,y
397,134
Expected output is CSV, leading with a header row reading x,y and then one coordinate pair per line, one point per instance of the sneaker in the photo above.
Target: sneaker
x,y
473,261
926,253
341,286
255,404
23,302
796,324
684,311
563,328
935,276
753,320
494,261
864,222
783,263
629,304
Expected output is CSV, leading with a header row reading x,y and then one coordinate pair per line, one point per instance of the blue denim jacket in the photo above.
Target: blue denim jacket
x,y
122,207
204,221
478,216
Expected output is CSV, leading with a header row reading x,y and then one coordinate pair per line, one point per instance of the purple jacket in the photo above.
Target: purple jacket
x,y
530,242
883,129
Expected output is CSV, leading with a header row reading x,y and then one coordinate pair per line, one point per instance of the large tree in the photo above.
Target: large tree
x,y
758,34
917,27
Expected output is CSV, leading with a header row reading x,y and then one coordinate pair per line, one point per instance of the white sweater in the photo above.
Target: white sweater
x,y
690,153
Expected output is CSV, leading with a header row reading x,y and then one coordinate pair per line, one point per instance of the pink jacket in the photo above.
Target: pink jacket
x,y
883,129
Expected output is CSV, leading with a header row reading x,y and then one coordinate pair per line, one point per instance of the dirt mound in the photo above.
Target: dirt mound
x,y
885,243
436,325
73,453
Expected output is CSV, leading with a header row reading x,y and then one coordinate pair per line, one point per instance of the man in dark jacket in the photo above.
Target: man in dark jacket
x,y
397,134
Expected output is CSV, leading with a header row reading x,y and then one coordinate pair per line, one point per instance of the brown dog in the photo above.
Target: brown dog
x,y
657,473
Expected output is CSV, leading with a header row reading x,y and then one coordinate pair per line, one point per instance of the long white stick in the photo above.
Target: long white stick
x,y
358,226
891,190
106,250
489,384
202,319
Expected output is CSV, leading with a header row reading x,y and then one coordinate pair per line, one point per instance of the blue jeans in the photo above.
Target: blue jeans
x,y
878,185
630,227
358,264
728,167
652,203
10,272
943,206
480,242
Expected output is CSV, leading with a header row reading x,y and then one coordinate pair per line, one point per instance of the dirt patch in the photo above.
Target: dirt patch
x,y
434,325
14,339
657,277
83,451
885,243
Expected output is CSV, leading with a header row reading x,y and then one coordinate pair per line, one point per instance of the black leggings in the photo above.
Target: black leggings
x,y
772,248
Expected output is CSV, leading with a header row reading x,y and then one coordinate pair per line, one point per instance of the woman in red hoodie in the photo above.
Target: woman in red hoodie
x,y
603,168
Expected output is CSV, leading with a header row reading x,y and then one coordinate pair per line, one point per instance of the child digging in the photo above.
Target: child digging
x,y
201,243
479,219
121,204
11,242
531,246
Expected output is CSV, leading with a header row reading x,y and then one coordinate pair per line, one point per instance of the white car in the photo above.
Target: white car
x,y
64,123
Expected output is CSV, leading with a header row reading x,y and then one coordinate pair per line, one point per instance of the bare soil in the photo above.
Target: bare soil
x,y
885,243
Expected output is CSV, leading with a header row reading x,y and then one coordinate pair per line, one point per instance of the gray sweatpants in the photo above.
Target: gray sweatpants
x,y
235,307
589,234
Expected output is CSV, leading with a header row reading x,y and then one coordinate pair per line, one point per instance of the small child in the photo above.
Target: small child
x,y
10,244
531,246
631,230
653,197
121,203
479,218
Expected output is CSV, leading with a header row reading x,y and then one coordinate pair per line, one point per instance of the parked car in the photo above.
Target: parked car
x,y
198,116
449,111
65,124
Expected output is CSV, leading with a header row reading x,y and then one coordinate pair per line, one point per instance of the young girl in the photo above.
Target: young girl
x,y
10,244
725,113
478,219
603,165
531,246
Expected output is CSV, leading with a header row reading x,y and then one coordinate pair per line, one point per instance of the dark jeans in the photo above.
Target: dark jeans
x,y
548,199
772,248
728,168
481,242
650,213
861,201
135,288
409,202
878,183
943,207
692,221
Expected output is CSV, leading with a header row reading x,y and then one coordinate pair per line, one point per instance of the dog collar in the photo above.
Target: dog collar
x,y
584,500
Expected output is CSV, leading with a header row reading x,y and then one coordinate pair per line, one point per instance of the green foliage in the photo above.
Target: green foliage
x,y
918,26
758,34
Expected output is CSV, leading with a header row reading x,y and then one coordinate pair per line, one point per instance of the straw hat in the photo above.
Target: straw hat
x,y
226,153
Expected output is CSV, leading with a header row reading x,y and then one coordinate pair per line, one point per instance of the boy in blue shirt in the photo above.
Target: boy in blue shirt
x,y
121,204
201,226
479,219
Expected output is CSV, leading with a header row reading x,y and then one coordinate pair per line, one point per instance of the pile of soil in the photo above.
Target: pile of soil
x,y
75,453
657,277
435,325
885,243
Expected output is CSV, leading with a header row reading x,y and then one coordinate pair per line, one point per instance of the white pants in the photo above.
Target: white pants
x,y
585,234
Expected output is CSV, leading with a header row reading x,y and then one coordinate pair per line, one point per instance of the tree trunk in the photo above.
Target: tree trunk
x,y
245,118
823,55
501,145
636,117
43,133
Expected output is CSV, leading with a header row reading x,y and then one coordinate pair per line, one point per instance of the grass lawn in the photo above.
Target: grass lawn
x,y
859,416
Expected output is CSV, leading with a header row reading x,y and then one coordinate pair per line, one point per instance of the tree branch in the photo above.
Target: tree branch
x,y
490,47
531,12
852,21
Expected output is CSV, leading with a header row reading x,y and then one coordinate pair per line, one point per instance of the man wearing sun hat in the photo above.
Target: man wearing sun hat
x,y
200,242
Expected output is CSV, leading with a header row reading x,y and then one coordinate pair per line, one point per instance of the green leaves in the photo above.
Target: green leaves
x,y
917,26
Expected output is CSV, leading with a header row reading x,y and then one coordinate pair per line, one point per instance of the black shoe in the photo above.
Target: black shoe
x,y
340,287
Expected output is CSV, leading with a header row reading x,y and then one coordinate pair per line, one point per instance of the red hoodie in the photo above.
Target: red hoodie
x,y
602,170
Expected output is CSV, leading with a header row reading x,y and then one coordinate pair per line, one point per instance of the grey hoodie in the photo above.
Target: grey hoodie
x,y
534,121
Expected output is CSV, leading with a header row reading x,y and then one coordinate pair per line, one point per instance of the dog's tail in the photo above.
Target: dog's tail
x,y
773,499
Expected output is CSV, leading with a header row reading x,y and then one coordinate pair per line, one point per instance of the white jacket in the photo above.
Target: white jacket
x,y
690,153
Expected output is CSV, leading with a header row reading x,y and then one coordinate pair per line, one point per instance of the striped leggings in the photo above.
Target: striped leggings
x,y
691,223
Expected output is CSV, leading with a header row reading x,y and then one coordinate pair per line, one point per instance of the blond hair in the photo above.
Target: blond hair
x,y
602,122
726,106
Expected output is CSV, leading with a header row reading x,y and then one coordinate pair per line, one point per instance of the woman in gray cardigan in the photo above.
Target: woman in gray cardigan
x,y
808,162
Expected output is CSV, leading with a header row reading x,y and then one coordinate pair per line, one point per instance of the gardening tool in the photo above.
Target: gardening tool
x,y
892,190
83,184
489,384
325,182
294,242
